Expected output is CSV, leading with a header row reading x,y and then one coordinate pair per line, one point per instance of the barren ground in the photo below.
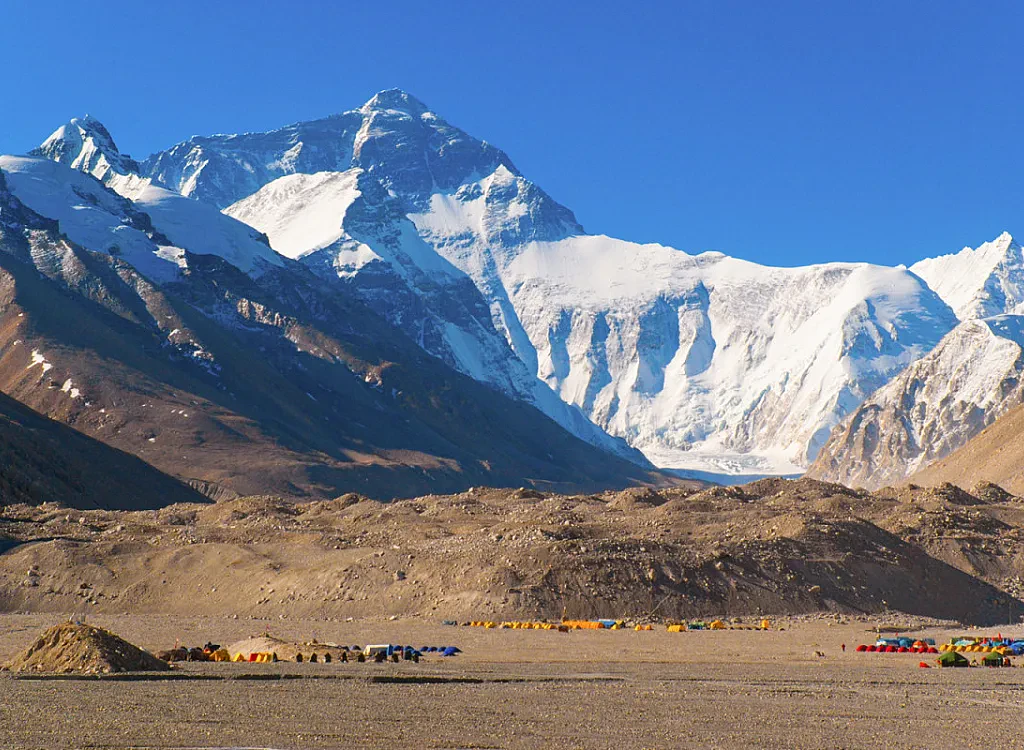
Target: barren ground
x,y
773,546
336,571
520,689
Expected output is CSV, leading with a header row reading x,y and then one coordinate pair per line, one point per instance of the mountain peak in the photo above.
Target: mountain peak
x,y
84,143
395,99
1005,240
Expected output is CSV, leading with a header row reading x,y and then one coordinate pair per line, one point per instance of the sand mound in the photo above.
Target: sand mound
x,y
83,648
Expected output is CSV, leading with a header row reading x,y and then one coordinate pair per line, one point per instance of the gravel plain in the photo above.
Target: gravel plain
x,y
517,689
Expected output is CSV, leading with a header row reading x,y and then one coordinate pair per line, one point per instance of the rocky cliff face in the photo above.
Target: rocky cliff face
x,y
935,406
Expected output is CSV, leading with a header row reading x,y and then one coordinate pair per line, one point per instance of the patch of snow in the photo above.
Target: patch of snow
x,y
70,389
40,360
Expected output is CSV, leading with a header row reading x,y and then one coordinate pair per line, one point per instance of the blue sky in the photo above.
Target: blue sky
x,y
783,132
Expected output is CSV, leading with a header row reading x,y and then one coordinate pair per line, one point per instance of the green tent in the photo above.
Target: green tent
x,y
952,659
993,659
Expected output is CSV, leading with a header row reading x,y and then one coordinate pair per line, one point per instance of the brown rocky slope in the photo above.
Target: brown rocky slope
x,y
996,455
773,546
41,459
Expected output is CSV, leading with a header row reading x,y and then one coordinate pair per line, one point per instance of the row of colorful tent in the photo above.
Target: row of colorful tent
x,y
979,649
891,649
510,625
603,624
905,641
564,626
594,624
389,649
259,657
682,627
1002,646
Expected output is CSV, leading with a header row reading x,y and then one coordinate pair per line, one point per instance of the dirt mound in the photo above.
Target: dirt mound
x,y
991,493
70,647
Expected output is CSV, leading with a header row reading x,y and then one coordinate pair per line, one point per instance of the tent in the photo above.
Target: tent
x,y
994,659
716,625
953,659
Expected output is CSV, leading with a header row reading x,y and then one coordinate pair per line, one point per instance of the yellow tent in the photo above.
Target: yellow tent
x,y
716,625
239,657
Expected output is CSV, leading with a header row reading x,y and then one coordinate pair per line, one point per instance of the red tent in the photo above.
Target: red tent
x,y
862,647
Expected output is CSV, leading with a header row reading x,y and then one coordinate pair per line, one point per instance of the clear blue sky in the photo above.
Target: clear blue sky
x,y
783,132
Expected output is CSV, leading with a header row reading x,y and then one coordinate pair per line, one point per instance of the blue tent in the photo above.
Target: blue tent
x,y
450,651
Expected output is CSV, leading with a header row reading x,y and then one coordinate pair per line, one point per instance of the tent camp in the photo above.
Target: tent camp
x,y
952,659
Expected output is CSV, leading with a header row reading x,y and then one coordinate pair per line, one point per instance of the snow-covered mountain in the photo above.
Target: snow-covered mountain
x,y
435,303
164,328
940,402
706,363
85,144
